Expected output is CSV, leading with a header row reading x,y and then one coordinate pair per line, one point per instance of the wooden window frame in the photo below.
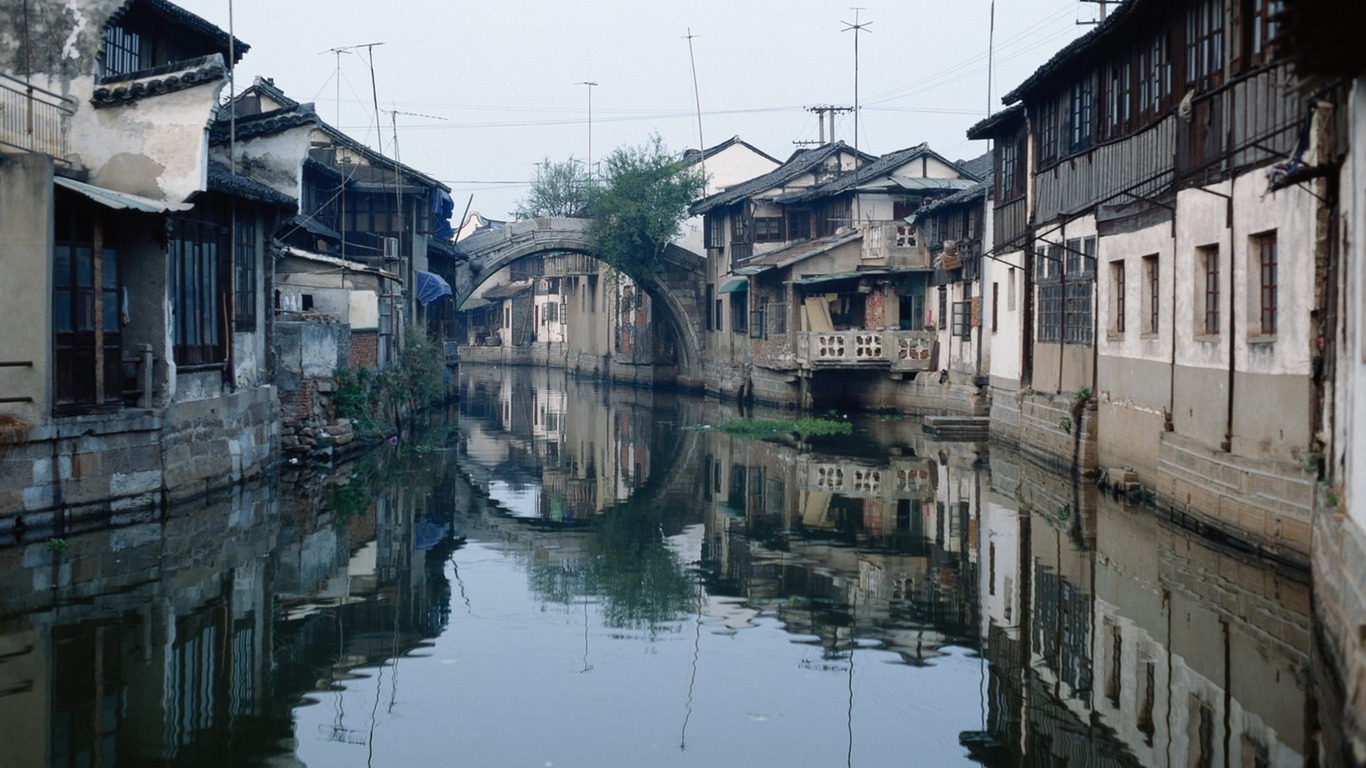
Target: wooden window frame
x,y
1208,262
1267,257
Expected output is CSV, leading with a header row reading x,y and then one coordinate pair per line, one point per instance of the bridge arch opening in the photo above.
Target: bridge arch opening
x,y
673,284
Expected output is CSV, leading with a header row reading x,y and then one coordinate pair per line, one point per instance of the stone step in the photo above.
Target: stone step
x,y
957,427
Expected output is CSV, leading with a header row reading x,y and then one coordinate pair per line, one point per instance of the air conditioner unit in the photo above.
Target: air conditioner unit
x,y
391,247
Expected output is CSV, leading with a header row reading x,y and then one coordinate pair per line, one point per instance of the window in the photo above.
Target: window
x,y
1264,26
1080,114
714,225
86,292
739,311
768,229
1118,98
1263,249
709,292
798,224
1050,313
1010,290
124,52
943,305
244,275
775,318
962,320
1205,43
995,304
1048,131
1117,288
756,320
1009,170
739,226
1079,315
1207,299
198,249
911,311
1150,294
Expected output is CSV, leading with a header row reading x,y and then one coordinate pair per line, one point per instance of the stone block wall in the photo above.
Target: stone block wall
x,y
1265,503
58,475
207,444
1339,570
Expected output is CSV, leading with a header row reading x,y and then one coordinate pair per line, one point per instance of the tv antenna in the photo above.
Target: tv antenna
x,y
856,28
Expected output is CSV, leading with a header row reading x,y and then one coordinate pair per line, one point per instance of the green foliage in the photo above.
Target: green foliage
x,y
1082,395
417,381
806,427
639,205
353,398
560,189
1065,424
57,544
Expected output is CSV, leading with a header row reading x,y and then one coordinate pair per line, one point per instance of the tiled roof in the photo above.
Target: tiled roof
x,y
803,161
987,128
881,168
266,123
800,251
176,76
1089,42
692,155
976,191
978,167
222,179
177,15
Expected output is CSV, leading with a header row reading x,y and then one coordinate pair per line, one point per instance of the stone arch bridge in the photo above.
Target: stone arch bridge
x,y
674,286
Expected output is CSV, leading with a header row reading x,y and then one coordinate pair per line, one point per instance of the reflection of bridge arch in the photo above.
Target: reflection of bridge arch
x,y
673,286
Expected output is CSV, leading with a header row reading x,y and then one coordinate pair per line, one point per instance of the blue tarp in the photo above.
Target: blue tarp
x,y
431,287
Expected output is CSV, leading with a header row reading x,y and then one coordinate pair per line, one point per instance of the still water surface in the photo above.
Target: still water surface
x,y
557,573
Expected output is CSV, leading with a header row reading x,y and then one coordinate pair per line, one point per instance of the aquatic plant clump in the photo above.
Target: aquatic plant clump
x,y
805,428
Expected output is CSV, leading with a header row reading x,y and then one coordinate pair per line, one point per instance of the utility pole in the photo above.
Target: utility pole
x,y
856,28
1104,8
822,111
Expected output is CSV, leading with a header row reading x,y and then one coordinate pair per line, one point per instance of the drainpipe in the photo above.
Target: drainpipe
x,y
1232,323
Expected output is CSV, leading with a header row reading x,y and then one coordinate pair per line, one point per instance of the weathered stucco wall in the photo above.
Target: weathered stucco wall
x,y
26,285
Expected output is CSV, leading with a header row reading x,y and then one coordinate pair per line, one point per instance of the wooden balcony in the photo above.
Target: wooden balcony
x,y
33,120
892,350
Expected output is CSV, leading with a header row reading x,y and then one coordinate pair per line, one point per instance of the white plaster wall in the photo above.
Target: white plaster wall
x,y
1007,342
274,160
1201,219
1291,213
1353,405
925,168
1131,248
364,310
156,146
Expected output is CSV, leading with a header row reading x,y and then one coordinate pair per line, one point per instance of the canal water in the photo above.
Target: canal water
x,y
559,573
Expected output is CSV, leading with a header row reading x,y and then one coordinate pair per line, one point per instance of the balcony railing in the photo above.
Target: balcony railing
x,y
32,119
902,478
893,241
895,350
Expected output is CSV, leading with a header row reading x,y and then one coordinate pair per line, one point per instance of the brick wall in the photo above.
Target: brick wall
x,y
364,350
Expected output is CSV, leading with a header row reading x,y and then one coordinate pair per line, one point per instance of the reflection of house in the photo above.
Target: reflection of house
x,y
1138,637
140,264
816,286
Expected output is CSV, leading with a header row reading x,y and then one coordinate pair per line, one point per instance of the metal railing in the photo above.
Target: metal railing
x,y
33,119
897,350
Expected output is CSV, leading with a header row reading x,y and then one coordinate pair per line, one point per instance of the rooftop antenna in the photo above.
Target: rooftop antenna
x,y
697,101
591,85
856,28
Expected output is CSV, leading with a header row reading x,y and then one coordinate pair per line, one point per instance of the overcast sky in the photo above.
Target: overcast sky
x,y
482,90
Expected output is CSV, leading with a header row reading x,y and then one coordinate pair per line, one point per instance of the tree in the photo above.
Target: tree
x,y
560,189
639,205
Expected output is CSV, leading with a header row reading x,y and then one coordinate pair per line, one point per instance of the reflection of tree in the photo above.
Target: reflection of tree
x,y
625,564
